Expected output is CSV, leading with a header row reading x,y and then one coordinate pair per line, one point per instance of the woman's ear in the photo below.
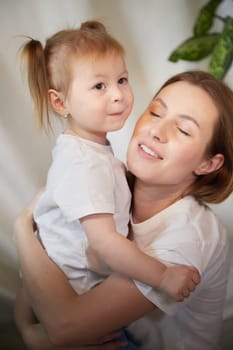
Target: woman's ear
x,y
210,165
57,102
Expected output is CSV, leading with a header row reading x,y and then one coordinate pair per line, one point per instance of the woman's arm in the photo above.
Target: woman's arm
x,y
124,257
35,337
70,319
32,332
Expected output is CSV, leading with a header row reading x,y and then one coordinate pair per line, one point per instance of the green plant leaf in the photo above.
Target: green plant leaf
x,y
195,48
222,56
205,18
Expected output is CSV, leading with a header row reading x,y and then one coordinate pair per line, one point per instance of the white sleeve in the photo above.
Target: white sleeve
x,y
86,189
187,253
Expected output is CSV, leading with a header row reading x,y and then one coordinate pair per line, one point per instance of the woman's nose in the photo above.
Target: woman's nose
x,y
159,130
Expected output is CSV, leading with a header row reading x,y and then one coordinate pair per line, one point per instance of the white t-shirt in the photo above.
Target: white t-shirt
x,y
184,233
85,178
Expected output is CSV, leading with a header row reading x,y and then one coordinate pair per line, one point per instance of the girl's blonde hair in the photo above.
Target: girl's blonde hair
x,y
216,186
50,67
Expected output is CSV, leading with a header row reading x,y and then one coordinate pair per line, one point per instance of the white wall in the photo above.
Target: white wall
x,y
148,29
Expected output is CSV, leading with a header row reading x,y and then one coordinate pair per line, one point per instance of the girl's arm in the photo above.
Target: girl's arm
x,y
124,257
70,319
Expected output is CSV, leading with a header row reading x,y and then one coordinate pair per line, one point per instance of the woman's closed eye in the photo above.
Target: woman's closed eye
x,y
185,127
154,114
183,131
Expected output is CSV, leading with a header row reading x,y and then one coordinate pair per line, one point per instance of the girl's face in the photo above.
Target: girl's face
x,y
170,138
100,98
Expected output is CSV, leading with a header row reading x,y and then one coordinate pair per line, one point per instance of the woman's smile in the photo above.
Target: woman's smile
x,y
149,151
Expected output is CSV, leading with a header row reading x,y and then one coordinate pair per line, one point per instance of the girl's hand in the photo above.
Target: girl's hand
x,y
179,281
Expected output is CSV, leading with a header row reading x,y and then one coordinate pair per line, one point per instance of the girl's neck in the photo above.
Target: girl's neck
x,y
100,138
150,200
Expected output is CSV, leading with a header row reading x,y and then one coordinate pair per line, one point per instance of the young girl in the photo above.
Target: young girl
x,y
181,154
82,217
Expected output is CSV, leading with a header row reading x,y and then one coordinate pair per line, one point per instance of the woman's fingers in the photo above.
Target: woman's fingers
x,y
109,337
112,345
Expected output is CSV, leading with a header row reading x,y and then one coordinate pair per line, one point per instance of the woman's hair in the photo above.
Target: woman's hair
x,y
216,186
50,67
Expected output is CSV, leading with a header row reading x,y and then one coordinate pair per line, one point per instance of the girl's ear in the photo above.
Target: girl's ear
x,y
57,102
210,165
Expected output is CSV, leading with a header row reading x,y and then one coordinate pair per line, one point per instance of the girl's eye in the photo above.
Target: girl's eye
x,y
122,81
99,86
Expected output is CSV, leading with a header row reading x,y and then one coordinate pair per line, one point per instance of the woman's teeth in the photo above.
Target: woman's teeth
x,y
149,151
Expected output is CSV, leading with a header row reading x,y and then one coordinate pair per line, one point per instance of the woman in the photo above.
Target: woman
x,y
181,155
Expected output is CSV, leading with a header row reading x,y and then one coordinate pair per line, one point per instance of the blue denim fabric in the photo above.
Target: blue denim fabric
x,y
130,345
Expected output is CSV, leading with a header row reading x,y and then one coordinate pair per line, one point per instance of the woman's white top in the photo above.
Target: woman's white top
x,y
185,233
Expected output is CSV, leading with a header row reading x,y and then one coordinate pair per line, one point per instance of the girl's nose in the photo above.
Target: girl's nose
x,y
116,94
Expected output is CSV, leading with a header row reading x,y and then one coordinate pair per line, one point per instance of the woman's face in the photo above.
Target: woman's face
x,y
170,138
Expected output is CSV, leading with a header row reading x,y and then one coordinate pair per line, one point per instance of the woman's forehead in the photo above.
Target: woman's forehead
x,y
186,98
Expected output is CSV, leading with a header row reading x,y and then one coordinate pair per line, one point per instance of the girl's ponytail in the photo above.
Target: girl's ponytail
x,y
51,67
33,53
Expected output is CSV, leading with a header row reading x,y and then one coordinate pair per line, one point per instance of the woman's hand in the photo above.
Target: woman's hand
x,y
111,341
36,338
25,217
32,332
113,345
